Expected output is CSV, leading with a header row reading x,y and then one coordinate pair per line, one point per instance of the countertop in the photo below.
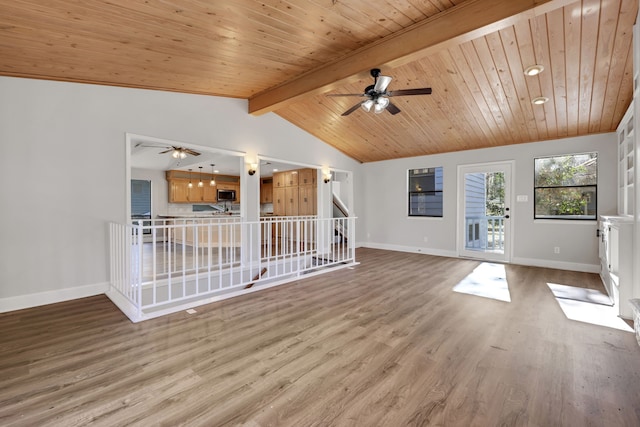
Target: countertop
x,y
198,215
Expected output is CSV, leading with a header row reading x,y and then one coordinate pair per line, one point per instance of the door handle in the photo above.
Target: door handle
x,y
506,216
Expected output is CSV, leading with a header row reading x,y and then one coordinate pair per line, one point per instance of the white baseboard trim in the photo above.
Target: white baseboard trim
x,y
560,265
533,262
20,302
412,249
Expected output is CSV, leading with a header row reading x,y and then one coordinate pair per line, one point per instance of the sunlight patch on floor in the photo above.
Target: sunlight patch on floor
x,y
488,280
587,307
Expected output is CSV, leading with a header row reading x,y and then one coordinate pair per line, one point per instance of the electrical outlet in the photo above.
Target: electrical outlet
x,y
556,250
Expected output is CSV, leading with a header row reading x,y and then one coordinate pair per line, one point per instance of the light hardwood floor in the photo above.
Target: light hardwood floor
x,y
385,343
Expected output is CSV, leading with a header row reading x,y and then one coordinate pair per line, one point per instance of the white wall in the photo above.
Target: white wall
x,y
387,225
63,172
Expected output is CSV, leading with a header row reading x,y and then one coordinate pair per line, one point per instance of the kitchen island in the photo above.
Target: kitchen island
x,y
204,231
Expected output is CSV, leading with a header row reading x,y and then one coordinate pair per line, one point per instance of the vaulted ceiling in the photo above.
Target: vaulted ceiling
x,y
285,56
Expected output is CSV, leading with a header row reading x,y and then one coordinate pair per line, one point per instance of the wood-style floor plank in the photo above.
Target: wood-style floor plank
x,y
384,343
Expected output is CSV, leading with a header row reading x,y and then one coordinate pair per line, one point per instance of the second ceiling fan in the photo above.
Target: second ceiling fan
x,y
378,96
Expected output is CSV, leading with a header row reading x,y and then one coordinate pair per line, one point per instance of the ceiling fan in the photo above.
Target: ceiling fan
x,y
378,96
180,152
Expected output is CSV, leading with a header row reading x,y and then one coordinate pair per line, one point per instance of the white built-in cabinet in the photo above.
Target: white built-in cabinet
x,y
620,235
616,258
626,163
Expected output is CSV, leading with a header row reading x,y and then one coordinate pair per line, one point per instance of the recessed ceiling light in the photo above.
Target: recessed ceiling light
x,y
533,70
540,100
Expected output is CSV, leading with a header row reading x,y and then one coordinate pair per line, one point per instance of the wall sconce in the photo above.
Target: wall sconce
x,y
326,177
253,168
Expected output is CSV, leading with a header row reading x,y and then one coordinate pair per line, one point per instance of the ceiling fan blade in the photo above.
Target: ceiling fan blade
x,y
392,108
189,151
405,92
381,83
352,109
167,151
346,94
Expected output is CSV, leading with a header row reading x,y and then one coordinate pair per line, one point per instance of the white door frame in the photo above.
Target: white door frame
x,y
507,166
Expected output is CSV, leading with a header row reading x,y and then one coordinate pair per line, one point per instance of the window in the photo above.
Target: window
x,y
425,192
565,187
141,201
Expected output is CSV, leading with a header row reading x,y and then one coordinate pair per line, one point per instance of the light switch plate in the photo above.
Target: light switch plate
x,y
522,198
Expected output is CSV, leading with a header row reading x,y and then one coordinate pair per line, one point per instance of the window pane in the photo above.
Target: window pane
x,y
425,204
566,202
569,170
140,198
425,192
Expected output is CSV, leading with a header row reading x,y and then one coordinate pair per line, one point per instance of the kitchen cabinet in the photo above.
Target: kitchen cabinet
x,y
179,191
204,194
279,197
307,176
307,195
209,193
295,192
291,201
266,190
285,179
278,179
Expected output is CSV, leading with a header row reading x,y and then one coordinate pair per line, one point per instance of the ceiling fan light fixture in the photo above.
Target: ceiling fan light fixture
x,y
540,100
366,105
381,104
534,70
178,153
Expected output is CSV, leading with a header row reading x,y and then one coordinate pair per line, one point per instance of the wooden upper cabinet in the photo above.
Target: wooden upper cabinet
x,y
179,191
307,176
285,179
279,180
291,178
209,193
204,194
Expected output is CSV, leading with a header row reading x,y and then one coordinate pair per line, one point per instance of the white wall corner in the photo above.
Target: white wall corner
x,y
51,297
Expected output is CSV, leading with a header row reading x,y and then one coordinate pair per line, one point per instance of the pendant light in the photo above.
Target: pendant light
x,y
190,183
212,183
200,184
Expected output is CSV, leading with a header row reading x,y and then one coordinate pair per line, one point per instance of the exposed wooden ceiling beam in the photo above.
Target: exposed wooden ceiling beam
x,y
469,20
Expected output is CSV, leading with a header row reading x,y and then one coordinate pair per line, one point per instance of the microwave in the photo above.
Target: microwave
x,y
226,195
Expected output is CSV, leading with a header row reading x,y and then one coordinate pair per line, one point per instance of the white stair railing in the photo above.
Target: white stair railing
x,y
163,266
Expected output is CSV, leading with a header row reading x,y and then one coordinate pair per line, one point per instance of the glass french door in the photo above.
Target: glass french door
x,y
484,211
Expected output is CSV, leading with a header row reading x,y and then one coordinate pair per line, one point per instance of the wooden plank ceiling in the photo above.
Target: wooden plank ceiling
x,y
287,55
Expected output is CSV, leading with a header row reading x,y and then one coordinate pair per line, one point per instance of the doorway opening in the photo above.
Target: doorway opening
x,y
484,200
